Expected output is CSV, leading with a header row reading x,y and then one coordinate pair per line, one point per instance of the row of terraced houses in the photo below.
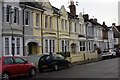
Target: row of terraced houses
x,y
35,28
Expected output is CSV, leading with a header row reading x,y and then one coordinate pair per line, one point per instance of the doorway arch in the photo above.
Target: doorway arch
x,y
73,48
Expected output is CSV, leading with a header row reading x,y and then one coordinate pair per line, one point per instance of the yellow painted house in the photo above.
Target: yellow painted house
x,y
58,31
37,30
63,30
49,29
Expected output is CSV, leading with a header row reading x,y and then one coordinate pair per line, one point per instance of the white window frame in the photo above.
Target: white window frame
x,y
46,21
16,15
82,46
63,44
27,12
37,19
47,45
8,13
10,46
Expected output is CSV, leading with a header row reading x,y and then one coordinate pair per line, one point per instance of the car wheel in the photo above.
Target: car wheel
x,y
32,72
69,65
5,76
41,70
55,67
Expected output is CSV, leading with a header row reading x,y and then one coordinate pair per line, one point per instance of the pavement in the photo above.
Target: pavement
x,y
86,61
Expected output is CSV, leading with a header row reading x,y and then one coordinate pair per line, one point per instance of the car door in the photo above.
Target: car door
x,y
59,60
22,65
63,61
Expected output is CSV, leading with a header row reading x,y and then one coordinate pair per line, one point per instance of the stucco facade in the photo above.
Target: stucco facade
x,y
12,29
1,51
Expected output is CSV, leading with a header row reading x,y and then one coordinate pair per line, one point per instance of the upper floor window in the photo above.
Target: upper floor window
x,y
37,19
46,21
16,15
70,26
8,13
27,17
50,22
80,28
66,25
62,24
75,27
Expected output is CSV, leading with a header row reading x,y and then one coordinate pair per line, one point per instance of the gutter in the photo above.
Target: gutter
x,y
32,7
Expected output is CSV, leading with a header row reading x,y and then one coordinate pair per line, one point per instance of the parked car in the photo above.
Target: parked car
x,y
53,61
12,66
118,53
108,54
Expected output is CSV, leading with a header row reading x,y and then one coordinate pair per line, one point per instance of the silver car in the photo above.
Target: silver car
x,y
108,54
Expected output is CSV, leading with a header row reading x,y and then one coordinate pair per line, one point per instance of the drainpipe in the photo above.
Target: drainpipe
x,y
2,27
41,33
58,32
24,29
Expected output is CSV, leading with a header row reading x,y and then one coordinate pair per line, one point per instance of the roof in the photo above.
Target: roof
x,y
56,10
33,4
116,30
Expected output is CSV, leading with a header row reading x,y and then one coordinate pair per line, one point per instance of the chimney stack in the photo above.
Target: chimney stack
x,y
72,8
86,17
113,24
95,20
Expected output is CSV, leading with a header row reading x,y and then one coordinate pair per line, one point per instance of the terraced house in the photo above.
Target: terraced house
x,y
35,28
32,13
12,29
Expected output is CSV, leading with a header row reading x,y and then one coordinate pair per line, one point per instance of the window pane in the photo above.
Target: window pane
x,y
8,10
50,22
27,17
46,46
16,15
46,21
6,46
8,61
37,19
62,46
18,46
19,60
53,45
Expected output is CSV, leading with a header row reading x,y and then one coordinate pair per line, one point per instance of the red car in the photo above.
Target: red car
x,y
12,66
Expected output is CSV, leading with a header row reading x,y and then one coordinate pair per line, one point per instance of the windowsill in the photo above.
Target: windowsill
x,y
16,23
26,25
8,22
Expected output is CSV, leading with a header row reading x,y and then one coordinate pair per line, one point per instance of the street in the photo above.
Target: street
x,y
101,69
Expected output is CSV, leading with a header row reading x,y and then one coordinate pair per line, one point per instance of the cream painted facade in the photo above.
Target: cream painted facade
x,y
64,35
54,31
49,29
77,34
37,30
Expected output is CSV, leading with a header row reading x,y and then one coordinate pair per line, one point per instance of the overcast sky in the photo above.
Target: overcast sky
x,y
103,10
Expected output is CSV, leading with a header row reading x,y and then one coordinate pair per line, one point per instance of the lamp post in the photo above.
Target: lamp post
x,y
12,39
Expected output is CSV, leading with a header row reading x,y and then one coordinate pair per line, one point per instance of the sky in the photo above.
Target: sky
x,y
103,10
